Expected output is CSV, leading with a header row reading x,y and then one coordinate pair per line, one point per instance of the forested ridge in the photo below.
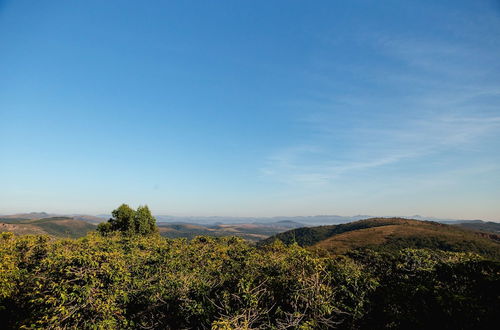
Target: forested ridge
x,y
126,276
391,235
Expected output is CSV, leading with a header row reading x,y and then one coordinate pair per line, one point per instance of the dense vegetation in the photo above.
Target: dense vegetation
x,y
127,276
119,280
486,226
129,221
391,235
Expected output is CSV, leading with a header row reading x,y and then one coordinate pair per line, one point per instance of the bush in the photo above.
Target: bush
x,y
135,281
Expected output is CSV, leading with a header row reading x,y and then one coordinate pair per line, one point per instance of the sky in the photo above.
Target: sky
x,y
251,108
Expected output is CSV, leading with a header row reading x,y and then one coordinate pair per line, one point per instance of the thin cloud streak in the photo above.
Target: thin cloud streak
x,y
416,140
448,107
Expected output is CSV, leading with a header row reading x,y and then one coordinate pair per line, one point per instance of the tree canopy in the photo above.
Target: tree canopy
x,y
149,282
129,221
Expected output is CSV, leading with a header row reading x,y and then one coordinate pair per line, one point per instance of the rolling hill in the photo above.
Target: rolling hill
x,y
248,231
53,226
42,223
391,234
479,225
44,215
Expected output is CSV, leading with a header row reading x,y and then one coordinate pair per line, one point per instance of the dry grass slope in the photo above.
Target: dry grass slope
x,y
392,234
56,227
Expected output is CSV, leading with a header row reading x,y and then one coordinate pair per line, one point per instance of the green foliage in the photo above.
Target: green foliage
x,y
144,222
123,281
125,278
473,244
423,289
129,221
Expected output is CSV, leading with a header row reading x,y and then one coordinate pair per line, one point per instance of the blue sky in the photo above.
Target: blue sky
x,y
255,108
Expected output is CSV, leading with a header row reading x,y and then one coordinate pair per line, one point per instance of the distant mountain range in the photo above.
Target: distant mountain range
x,y
44,215
306,220
315,220
251,228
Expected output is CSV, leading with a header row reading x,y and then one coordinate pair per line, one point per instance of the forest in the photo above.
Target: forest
x,y
126,276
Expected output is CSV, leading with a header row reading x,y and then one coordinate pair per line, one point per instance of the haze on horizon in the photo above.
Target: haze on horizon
x,y
251,108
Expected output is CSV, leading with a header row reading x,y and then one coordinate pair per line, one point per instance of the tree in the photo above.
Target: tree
x,y
127,220
145,223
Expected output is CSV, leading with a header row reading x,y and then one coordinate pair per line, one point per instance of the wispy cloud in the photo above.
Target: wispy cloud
x,y
446,99
378,147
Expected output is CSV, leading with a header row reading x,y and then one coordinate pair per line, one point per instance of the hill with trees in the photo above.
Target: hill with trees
x,y
53,226
391,234
126,275
249,231
479,225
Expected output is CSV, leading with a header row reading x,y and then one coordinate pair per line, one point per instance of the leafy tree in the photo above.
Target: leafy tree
x,y
145,223
129,221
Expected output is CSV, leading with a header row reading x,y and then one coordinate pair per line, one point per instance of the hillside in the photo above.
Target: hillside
x,y
248,231
124,275
391,234
42,223
43,215
53,226
479,225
